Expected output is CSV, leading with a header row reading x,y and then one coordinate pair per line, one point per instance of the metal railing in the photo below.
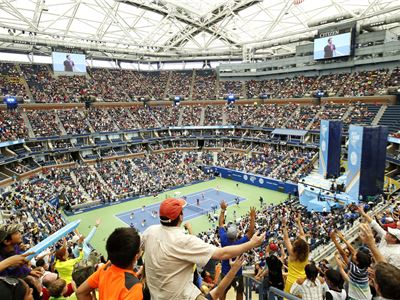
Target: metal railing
x,y
263,291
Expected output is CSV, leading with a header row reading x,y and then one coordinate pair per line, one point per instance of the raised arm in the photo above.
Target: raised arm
x,y
341,268
348,245
250,232
286,239
236,250
226,281
367,237
338,246
221,220
361,211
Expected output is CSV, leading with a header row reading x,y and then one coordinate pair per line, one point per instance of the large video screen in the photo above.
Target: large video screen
x,y
69,63
332,46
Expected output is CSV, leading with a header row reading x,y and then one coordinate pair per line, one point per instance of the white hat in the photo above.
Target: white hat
x,y
395,232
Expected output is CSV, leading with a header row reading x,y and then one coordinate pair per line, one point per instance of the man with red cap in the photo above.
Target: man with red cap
x,y
170,254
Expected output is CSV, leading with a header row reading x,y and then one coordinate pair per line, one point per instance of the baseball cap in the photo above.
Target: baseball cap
x,y
6,230
231,233
395,232
273,247
171,208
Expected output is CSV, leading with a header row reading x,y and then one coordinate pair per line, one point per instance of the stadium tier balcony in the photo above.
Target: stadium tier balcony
x,y
329,112
123,118
332,84
100,120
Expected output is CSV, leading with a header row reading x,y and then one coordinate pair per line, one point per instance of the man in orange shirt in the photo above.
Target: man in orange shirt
x,y
116,279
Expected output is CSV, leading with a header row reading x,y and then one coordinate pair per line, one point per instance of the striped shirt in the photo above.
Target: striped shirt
x,y
309,290
358,283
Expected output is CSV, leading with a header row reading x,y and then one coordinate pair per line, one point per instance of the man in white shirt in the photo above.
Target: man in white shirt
x,y
389,245
170,254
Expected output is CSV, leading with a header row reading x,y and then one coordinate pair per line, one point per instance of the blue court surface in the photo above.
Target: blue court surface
x,y
209,200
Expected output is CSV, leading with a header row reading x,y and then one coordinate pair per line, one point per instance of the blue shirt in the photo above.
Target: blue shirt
x,y
226,242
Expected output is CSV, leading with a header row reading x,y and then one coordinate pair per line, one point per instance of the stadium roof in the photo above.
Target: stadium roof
x,y
180,28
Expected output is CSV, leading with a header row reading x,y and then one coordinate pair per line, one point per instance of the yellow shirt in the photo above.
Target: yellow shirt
x,y
65,268
295,271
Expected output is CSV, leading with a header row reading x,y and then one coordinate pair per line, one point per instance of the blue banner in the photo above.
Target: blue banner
x,y
323,147
330,148
354,160
257,180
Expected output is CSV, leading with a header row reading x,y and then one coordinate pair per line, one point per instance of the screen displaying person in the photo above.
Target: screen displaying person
x,y
330,49
69,64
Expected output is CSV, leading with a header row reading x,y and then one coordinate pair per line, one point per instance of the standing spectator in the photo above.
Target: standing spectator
x,y
357,265
116,280
83,243
335,284
389,245
310,288
275,276
228,238
298,254
65,265
170,254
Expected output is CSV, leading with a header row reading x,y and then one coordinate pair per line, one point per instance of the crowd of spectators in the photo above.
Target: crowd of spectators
x,y
366,83
44,123
109,86
191,115
73,121
287,228
127,85
43,85
303,117
231,87
180,83
11,81
213,115
294,236
205,84
12,126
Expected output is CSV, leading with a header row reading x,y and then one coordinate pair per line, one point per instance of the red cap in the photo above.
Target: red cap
x,y
171,209
273,247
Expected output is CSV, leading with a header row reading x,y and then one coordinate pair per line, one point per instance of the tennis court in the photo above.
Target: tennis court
x,y
249,194
199,203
